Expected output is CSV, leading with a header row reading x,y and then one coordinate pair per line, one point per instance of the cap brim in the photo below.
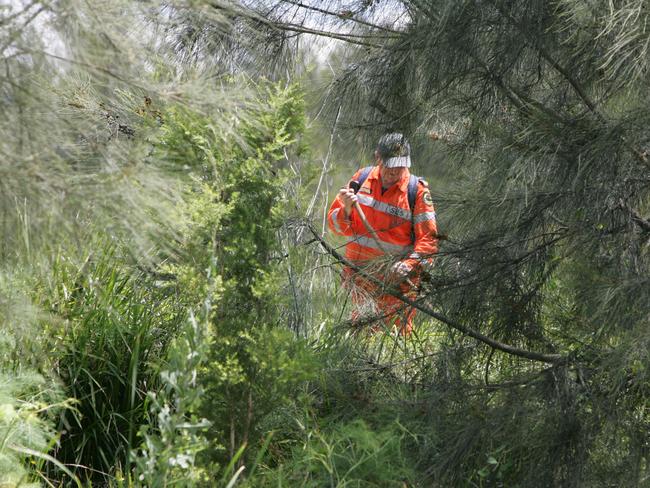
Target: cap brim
x,y
398,162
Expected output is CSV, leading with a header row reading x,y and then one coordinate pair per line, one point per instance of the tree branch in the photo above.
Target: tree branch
x,y
340,16
346,37
547,56
636,216
642,156
19,31
9,18
515,351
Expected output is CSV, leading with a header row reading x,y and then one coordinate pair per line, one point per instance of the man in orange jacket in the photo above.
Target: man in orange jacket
x,y
404,236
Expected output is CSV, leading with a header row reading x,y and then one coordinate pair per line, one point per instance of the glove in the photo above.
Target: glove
x,y
400,271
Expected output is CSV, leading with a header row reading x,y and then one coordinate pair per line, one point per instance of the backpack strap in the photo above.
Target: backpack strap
x,y
412,195
413,191
364,175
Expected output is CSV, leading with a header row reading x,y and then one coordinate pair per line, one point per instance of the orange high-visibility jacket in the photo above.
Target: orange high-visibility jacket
x,y
390,216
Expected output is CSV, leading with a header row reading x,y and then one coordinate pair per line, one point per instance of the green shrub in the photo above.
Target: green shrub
x,y
233,218
173,435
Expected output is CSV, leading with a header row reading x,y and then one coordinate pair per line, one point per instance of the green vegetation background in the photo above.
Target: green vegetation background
x,y
169,320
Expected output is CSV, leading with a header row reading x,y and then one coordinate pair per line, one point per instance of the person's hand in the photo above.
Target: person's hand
x,y
400,271
348,198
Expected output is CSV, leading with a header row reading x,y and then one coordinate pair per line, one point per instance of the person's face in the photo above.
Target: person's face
x,y
390,176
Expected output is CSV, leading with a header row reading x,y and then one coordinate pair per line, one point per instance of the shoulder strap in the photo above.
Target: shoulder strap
x,y
412,195
413,191
363,176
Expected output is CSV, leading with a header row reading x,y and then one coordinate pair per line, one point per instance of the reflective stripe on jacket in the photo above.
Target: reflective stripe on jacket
x,y
390,216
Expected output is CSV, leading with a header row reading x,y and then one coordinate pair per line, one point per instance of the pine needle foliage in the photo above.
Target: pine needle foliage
x,y
534,114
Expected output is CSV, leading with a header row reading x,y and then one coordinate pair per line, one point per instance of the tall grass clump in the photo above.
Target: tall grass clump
x,y
117,324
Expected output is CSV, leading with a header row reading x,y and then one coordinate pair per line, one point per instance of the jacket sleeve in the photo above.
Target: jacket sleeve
x,y
426,231
336,217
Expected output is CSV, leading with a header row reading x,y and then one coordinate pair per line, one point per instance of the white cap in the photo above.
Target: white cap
x,y
398,162
394,150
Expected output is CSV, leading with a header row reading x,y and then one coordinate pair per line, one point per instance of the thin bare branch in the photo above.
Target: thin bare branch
x,y
340,16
